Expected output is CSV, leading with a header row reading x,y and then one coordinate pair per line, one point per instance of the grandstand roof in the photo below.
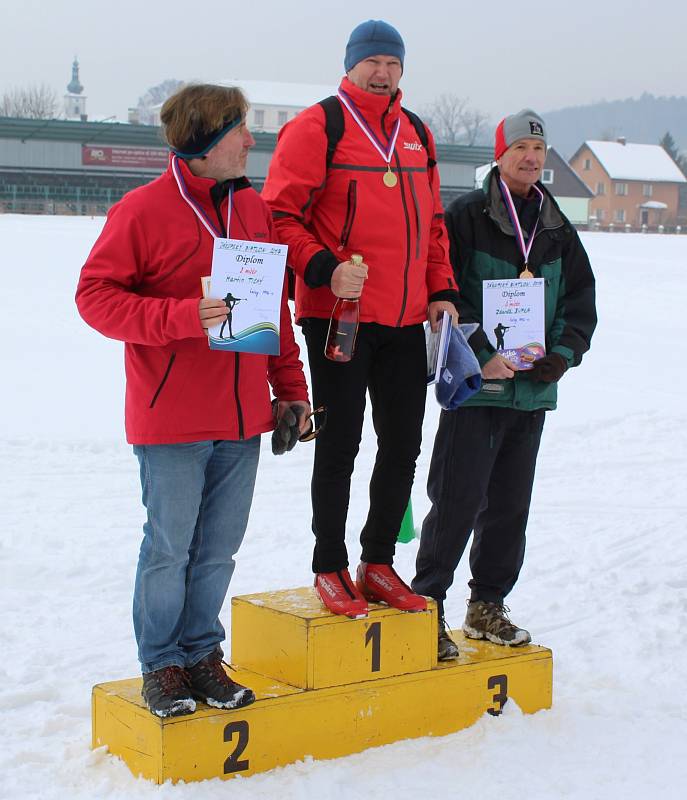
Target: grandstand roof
x,y
63,130
123,133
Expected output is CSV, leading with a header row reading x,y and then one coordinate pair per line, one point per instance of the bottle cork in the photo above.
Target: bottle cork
x,y
356,259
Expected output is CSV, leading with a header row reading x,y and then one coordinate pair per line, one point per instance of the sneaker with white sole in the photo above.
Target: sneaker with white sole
x,y
490,621
167,692
447,649
210,684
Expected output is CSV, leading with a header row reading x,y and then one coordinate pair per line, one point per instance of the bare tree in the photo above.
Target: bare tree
x,y
444,116
475,123
454,121
609,134
153,97
30,102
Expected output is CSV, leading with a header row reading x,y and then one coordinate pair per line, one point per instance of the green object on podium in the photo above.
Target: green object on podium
x,y
407,532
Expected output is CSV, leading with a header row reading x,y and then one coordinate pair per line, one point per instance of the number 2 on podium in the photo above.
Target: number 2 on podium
x,y
232,764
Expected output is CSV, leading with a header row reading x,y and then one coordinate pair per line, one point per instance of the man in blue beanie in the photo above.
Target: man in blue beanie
x,y
370,39
356,174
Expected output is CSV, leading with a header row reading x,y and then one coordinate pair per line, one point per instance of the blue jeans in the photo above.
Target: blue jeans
x,y
198,496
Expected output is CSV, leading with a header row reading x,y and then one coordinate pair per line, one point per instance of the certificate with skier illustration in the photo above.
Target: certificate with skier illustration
x,y
249,277
513,319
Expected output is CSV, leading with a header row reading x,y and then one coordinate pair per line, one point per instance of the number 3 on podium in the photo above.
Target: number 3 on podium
x,y
499,682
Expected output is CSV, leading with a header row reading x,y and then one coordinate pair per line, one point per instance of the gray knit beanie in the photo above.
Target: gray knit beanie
x,y
526,124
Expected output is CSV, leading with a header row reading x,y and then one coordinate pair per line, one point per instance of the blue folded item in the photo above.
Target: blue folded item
x,y
462,376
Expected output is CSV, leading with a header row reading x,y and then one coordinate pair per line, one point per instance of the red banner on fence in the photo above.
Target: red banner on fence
x,y
93,155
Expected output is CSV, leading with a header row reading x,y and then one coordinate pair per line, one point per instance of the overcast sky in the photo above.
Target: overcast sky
x,y
502,55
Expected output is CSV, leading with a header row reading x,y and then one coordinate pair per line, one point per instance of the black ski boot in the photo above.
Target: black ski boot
x,y
167,693
447,648
211,684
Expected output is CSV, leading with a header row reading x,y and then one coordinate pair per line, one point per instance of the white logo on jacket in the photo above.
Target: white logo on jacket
x,y
412,146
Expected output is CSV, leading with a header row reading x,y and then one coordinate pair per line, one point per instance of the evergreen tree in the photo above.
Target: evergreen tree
x,y
668,144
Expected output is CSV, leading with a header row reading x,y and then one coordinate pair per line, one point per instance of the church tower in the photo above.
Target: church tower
x,y
74,100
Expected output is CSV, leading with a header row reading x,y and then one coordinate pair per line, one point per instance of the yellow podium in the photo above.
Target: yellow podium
x,y
326,686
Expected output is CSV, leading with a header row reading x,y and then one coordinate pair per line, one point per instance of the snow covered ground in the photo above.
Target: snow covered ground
x,y
604,583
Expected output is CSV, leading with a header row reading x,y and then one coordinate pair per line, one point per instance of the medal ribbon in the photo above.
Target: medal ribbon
x,y
197,209
384,152
515,221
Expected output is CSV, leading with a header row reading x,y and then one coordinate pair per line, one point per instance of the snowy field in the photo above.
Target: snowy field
x,y
604,583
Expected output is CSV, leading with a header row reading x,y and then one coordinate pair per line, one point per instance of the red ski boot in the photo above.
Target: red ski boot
x,y
339,595
379,582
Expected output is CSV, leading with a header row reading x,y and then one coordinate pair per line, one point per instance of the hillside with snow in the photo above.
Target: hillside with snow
x,y
604,583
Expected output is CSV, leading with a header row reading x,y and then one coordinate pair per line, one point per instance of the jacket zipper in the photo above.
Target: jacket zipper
x,y
407,264
164,379
239,412
351,204
222,224
407,216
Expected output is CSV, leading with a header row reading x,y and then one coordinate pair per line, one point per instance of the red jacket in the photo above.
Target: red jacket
x,y
347,209
141,284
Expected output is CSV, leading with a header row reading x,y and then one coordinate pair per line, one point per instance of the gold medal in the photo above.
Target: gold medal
x,y
526,274
389,178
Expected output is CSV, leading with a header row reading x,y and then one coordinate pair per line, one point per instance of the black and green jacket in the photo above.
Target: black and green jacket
x,y
484,247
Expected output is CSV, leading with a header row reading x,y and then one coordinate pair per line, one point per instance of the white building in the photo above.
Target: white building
x,y
272,104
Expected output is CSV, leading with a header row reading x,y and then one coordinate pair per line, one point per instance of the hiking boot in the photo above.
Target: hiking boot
x,y
490,621
211,684
167,693
339,595
379,582
447,649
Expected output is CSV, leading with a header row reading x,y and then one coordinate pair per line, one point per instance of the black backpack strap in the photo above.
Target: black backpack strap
x,y
333,124
334,128
421,131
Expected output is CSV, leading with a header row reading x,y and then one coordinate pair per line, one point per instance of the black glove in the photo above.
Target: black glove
x,y
287,431
548,369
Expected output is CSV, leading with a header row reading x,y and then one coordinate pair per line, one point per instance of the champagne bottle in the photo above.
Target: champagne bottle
x,y
343,325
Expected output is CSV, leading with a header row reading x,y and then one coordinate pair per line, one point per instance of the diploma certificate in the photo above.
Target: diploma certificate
x,y
513,319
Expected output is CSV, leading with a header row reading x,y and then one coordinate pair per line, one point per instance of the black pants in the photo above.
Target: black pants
x,y
480,478
390,363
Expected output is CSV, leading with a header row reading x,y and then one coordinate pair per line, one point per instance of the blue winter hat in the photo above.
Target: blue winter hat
x,y
462,376
373,38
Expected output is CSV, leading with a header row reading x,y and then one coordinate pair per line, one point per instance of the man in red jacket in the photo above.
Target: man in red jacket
x,y
378,196
194,415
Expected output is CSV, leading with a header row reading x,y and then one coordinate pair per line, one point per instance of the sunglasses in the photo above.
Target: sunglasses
x,y
317,425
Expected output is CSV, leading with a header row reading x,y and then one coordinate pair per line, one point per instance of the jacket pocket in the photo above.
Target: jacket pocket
x,y
164,379
351,205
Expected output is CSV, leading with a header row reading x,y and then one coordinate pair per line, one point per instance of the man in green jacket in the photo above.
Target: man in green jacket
x,y
485,452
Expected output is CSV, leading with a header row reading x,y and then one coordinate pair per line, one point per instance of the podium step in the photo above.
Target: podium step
x,y
288,723
289,636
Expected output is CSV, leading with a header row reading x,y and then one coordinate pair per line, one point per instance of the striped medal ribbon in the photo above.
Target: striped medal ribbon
x,y
517,227
389,179
197,209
